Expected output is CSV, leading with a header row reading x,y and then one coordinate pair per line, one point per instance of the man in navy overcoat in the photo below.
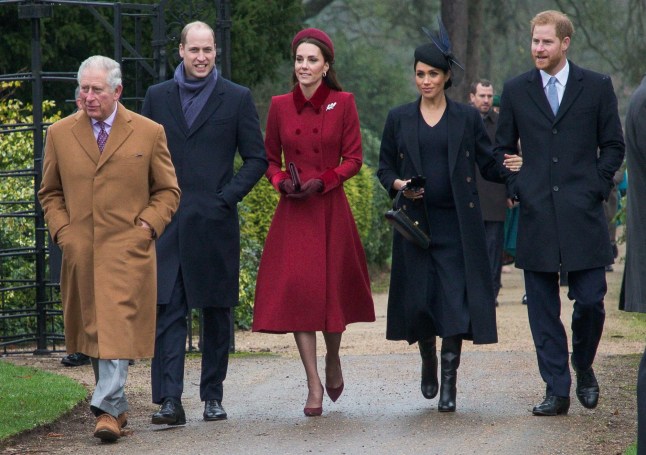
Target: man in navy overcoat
x,y
206,118
569,129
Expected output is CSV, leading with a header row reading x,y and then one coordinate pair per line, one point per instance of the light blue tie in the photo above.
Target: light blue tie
x,y
552,95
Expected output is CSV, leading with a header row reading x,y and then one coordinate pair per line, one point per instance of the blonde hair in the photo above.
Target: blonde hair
x,y
562,23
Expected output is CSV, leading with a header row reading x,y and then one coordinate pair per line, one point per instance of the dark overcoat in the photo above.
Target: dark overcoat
x,y
204,235
634,289
468,146
493,196
569,161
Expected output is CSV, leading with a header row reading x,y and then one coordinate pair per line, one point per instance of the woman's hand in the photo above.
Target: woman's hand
x,y
309,188
513,162
409,194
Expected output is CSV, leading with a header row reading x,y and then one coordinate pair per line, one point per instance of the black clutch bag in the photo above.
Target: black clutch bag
x,y
296,179
408,228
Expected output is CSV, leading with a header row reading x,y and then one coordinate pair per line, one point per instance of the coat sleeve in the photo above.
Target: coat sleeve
x,y
610,136
351,151
387,172
507,137
274,148
164,190
51,195
251,150
489,162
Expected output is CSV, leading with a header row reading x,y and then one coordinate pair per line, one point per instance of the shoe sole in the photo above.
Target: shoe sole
x,y
106,435
211,419
168,421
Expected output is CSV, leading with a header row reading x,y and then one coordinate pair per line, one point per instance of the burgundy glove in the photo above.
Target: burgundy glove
x,y
286,186
309,188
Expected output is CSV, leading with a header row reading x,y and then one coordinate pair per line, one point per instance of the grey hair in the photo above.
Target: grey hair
x,y
100,62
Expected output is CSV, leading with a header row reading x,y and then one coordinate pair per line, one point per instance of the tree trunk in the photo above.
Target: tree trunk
x,y
474,44
455,15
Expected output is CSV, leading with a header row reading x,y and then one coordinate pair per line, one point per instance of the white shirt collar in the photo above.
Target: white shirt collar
x,y
108,122
561,76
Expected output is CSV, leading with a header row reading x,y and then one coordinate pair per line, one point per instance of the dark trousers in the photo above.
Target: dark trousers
x,y
495,235
587,288
167,369
641,407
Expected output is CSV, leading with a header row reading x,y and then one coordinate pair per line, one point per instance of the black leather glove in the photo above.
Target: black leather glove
x,y
309,188
286,186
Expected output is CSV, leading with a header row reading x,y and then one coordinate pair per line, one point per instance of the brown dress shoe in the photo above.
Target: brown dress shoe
x,y
107,428
122,420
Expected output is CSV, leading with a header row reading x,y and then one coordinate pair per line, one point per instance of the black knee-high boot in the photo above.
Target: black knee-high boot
x,y
450,354
428,351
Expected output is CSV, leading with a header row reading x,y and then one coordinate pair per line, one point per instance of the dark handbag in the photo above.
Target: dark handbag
x,y
296,179
408,228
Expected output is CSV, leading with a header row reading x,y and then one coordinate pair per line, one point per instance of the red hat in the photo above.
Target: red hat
x,y
316,34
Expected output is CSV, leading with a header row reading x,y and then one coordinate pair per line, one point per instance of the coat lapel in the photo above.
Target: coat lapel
x,y
175,107
537,94
455,131
411,135
119,132
573,89
82,131
209,108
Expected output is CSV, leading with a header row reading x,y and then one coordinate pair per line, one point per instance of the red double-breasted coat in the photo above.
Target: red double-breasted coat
x,y
313,274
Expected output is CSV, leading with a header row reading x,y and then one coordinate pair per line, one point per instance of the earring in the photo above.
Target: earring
x,y
324,73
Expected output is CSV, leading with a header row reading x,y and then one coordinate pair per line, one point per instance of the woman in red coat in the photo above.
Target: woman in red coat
x,y
313,275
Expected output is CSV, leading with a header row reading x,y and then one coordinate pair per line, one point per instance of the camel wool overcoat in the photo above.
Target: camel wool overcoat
x,y
93,203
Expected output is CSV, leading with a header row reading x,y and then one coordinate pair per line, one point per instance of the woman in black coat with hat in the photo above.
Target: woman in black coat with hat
x,y
444,290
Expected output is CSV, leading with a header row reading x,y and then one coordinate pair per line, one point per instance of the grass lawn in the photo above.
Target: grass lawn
x,y
30,397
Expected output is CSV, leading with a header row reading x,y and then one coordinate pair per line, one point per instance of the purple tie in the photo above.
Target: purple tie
x,y
102,138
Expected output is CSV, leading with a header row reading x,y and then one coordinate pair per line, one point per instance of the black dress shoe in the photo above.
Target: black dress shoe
x,y
552,406
587,388
213,410
75,360
171,412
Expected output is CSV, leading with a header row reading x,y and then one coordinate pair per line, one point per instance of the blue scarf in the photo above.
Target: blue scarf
x,y
193,93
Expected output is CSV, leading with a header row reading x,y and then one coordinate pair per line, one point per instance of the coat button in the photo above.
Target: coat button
x,y
555,159
467,154
298,151
554,131
555,188
401,156
315,130
469,179
404,207
298,131
471,205
316,150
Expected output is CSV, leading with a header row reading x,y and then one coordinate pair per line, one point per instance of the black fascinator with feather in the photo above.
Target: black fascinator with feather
x,y
442,41
438,52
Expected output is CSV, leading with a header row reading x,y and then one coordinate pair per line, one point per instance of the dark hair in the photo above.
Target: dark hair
x,y
483,82
330,77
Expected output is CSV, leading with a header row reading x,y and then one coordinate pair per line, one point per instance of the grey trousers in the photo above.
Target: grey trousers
x,y
109,394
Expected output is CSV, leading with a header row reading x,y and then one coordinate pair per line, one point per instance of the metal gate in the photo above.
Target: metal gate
x,y
30,311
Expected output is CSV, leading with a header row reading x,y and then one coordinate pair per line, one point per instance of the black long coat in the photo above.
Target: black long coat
x,y
400,158
568,166
633,295
204,235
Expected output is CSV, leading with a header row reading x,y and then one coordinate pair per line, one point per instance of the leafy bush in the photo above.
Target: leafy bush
x,y
17,196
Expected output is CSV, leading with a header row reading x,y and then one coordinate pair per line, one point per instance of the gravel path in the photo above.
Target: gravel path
x,y
381,410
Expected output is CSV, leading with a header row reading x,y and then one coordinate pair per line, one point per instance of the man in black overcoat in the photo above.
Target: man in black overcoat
x,y
493,196
206,118
569,129
633,290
